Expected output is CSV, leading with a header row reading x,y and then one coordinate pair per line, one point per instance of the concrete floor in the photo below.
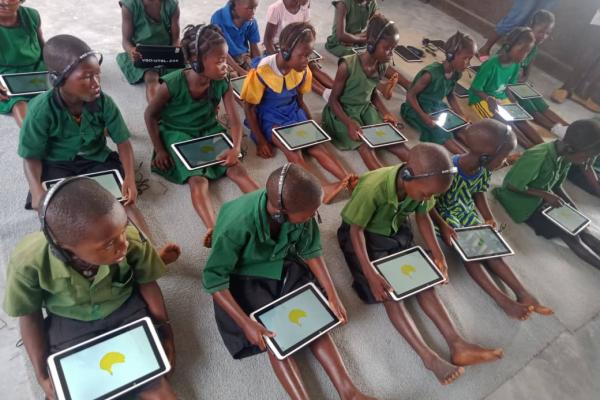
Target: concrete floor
x,y
546,358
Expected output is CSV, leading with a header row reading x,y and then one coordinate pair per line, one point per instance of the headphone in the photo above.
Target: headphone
x,y
406,174
279,216
451,52
287,53
57,78
371,46
485,159
197,65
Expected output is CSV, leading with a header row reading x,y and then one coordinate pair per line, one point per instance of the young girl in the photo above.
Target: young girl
x,y
149,22
434,83
21,42
185,108
354,101
489,88
273,95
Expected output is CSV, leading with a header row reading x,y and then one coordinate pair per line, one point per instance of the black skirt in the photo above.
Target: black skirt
x,y
542,226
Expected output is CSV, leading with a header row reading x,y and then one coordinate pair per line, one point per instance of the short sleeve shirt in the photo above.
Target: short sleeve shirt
x,y
431,99
493,78
237,38
279,16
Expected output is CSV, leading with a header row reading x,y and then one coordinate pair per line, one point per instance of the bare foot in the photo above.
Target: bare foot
x,y
351,182
332,190
358,395
388,89
517,310
471,354
169,253
537,307
444,371
208,238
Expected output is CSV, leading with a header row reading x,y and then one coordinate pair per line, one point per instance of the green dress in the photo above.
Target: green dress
x,y
532,105
184,118
431,99
21,51
357,19
356,102
146,31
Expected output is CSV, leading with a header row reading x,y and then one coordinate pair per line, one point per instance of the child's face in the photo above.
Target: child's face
x,y
301,217
519,52
426,188
84,82
292,4
542,32
245,9
9,8
462,59
299,59
215,63
384,51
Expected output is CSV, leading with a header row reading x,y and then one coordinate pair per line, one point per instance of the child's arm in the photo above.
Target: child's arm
x,y
233,64
525,74
175,27
263,148
455,105
319,269
33,174
231,157
484,208
254,50
402,80
268,40
40,36
127,34
383,110
303,105
162,159
427,233
411,97
129,187
340,33
36,344
558,189
446,231
592,179
550,198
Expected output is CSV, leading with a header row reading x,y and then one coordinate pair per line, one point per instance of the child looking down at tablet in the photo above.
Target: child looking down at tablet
x,y
185,107
91,271
354,102
21,42
535,182
375,224
265,245
148,22
434,84
273,95
489,143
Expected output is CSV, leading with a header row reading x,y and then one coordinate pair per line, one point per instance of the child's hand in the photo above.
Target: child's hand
x,y
338,309
134,54
354,130
391,119
230,157
379,287
162,160
255,333
492,223
441,264
129,190
169,347
429,122
264,150
47,387
36,197
3,95
448,233
553,200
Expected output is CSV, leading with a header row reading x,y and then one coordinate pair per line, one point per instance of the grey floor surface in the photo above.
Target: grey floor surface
x,y
545,358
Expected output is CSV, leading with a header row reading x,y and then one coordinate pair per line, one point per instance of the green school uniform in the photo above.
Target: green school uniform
x,y
357,18
21,51
431,99
540,167
492,79
51,133
356,102
375,206
36,279
242,243
185,118
146,31
532,105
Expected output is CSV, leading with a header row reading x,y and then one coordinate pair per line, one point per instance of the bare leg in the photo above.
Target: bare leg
x,y
203,205
320,75
581,249
399,150
554,117
164,391
151,79
369,157
289,376
18,112
454,146
529,131
541,119
138,219
329,161
240,177
317,87
590,240
522,139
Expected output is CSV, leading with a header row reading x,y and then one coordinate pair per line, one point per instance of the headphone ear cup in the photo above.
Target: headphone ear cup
x,y
484,159
286,55
198,67
53,79
370,48
450,56
406,174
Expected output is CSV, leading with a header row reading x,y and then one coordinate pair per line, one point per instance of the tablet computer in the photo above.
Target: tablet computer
x,y
513,112
202,152
110,180
524,91
236,85
408,272
567,218
381,135
359,49
300,135
480,242
406,54
297,319
159,56
25,84
314,56
448,120
461,91
110,364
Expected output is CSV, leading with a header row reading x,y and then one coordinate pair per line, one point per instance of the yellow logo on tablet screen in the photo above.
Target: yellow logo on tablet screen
x,y
380,133
207,149
295,315
301,133
408,270
110,359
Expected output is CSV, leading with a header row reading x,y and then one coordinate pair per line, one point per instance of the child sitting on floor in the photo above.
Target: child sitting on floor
x,y
432,85
489,143
273,95
536,179
147,22
21,42
354,102
266,244
375,224
586,176
91,271
185,107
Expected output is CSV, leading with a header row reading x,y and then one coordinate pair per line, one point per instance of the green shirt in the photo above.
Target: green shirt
x,y
375,206
530,57
431,99
147,30
492,79
51,133
541,168
37,279
242,243
21,49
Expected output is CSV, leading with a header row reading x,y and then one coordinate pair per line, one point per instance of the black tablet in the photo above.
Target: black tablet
x,y
25,84
480,243
160,56
406,54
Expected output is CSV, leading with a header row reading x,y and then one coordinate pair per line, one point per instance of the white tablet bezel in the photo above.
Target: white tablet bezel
x,y
478,227
318,57
235,92
451,112
502,106
403,58
555,222
153,337
11,94
310,121
371,145
215,162
359,49
538,96
271,344
114,172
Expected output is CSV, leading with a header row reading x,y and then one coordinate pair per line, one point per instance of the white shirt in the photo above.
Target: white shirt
x,y
279,16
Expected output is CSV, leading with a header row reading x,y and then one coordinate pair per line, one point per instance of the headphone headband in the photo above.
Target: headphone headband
x,y
287,53
407,173
372,45
58,78
282,176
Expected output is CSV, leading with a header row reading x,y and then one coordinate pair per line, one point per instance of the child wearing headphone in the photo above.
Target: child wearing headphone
x,y
267,244
21,42
185,107
149,23
273,95
489,143
586,176
91,271
349,25
376,224
432,85
535,182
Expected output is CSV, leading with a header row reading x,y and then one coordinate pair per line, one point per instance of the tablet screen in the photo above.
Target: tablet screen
x,y
480,242
460,91
300,135
109,180
314,56
168,56
568,218
448,120
406,54
202,152
524,91
513,112
381,135
35,82
237,84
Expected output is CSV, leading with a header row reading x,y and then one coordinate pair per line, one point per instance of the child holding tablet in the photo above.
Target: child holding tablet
x,y
273,95
150,23
349,25
489,143
536,179
434,84
185,107
91,271
375,224
354,101
265,245
21,42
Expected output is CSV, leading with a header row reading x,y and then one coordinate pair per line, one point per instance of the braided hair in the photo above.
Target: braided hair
x,y
517,36
456,43
296,33
210,38
379,29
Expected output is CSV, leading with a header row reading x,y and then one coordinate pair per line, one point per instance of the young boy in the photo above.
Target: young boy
x,y
536,179
91,271
375,224
586,176
265,245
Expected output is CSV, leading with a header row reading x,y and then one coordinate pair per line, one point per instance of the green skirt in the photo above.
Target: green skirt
x,y
134,74
430,135
365,114
336,48
532,106
7,106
